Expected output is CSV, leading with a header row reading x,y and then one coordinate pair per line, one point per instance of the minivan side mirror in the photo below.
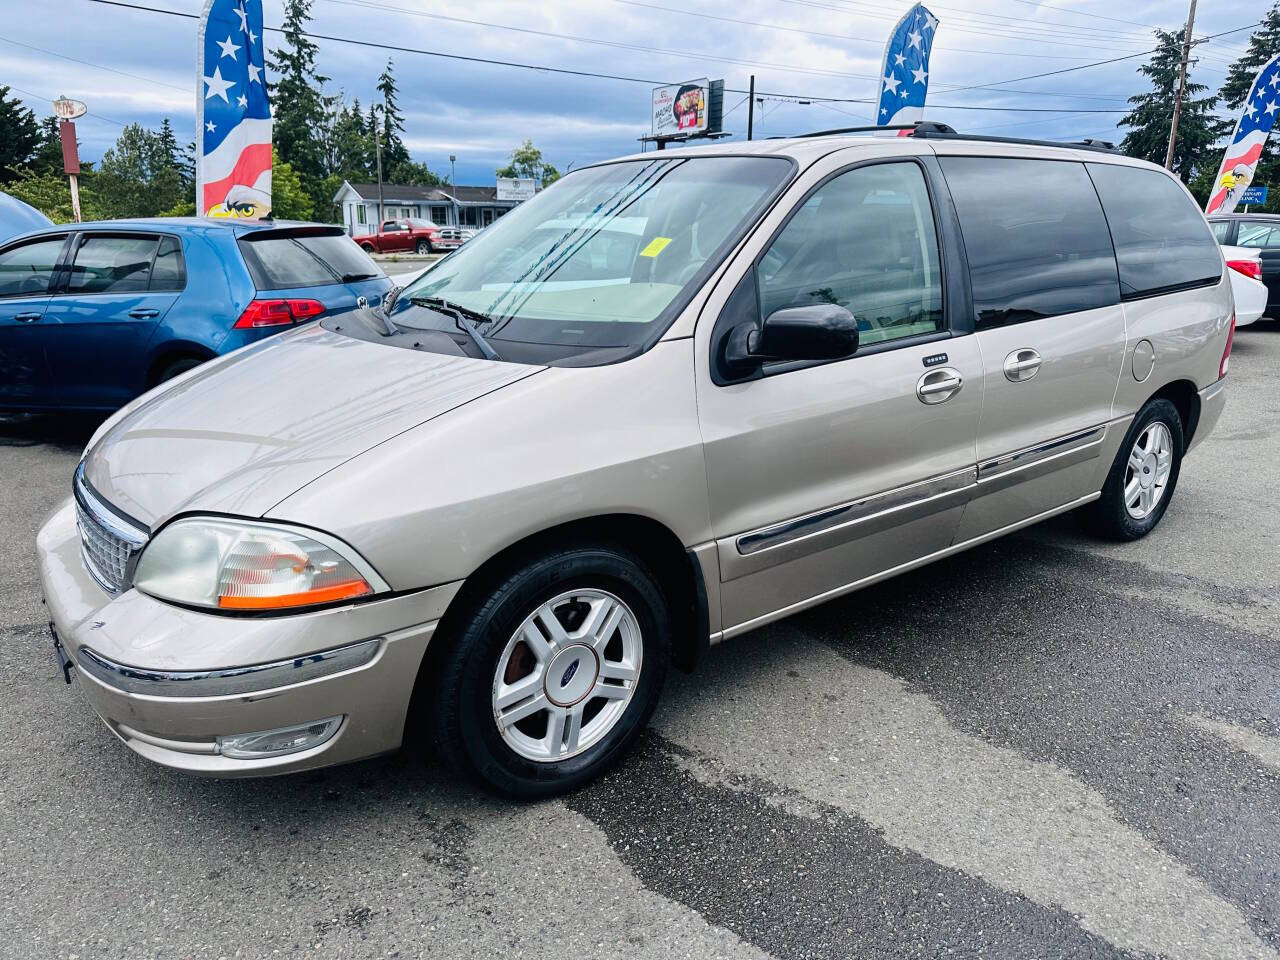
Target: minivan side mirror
x,y
817,331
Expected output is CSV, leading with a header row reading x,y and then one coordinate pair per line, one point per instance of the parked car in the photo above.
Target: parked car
x,y
498,507
93,314
1255,231
409,235
1247,288
17,217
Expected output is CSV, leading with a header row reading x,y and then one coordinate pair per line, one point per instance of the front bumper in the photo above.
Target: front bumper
x,y
169,681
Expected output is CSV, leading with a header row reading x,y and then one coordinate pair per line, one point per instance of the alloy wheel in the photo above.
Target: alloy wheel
x,y
567,675
1146,475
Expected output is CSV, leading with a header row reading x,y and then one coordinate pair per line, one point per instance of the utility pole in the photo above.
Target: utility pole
x,y
377,144
1182,84
751,106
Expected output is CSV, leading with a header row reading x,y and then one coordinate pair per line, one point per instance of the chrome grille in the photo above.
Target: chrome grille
x,y
108,543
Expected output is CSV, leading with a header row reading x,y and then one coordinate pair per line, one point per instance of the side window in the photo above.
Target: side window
x,y
866,241
1261,236
1035,237
27,270
108,264
169,271
1220,230
1159,233
360,213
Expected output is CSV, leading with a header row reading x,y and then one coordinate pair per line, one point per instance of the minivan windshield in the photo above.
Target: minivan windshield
x,y
596,266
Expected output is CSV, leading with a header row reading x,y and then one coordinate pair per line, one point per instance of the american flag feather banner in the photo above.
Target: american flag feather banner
x,y
233,136
905,74
1250,136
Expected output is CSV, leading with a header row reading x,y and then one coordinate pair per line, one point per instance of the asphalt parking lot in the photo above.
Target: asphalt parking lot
x,y
1046,747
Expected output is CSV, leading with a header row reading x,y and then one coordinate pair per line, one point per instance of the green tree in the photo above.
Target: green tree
x,y
140,176
413,173
526,161
289,198
47,157
20,136
1263,45
297,98
1150,119
50,193
394,152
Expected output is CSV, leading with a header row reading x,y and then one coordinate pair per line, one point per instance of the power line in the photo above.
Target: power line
x,y
1081,13
88,113
98,66
830,36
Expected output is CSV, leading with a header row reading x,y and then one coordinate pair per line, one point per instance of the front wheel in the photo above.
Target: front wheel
x,y
1143,475
424,247
548,679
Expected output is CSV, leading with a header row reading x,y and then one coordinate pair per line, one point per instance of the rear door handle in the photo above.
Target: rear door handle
x,y
144,313
939,386
27,317
1021,365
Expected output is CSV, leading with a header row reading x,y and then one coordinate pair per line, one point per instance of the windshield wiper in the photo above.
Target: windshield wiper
x,y
464,317
356,277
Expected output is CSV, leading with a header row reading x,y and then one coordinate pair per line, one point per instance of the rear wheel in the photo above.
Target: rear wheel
x,y
175,367
549,677
424,247
1143,475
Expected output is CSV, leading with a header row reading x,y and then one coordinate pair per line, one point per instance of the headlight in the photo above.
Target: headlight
x,y
247,565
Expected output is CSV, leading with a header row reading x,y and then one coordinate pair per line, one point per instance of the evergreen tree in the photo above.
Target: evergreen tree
x,y
1150,119
394,152
289,198
20,136
47,157
1263,45
139,176
298,103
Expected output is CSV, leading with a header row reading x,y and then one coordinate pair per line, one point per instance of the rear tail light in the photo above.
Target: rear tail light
x,y
1250,268
278,313
1226,354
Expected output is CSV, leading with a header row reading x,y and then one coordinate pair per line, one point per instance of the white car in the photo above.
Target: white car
x,y
1246,283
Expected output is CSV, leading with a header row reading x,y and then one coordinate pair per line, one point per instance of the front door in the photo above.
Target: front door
x,y
1050,329
101,317
822,476
1264,236
26,273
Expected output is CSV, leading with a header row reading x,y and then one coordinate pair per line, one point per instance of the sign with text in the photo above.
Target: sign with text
x,y
516,188
687,109
1253,195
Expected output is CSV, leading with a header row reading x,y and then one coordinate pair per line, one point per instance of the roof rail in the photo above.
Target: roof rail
x,y
933,130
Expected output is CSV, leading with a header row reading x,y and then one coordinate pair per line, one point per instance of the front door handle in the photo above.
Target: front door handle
x,y
1021,365
144,313
27,317
939,386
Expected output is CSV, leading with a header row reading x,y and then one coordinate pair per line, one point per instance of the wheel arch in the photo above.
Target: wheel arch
x,y
1186,398
175,350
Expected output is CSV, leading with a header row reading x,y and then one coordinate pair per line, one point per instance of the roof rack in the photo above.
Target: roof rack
x,y
932,130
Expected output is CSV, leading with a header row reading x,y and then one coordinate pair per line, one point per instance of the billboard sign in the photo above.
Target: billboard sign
x,y
516,188
65,109
687,109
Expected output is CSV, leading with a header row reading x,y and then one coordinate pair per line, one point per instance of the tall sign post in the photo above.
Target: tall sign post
x,y
67,111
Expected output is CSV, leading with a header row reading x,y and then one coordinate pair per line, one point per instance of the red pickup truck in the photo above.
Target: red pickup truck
x,y
409,235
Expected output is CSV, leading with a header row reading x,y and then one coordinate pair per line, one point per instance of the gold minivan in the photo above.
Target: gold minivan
x,y
669,399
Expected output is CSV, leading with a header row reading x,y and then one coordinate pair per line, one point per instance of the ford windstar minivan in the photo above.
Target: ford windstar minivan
x,y
669,399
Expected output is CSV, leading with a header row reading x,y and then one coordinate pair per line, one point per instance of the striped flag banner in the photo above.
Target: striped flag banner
x,y
233,155
1241,159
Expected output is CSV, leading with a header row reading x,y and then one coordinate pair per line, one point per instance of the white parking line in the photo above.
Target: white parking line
x,y
791,712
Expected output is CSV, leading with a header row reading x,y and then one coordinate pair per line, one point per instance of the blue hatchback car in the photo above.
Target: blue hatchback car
x,y
93,314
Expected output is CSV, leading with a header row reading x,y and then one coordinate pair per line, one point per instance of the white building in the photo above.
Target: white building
x,y
446,206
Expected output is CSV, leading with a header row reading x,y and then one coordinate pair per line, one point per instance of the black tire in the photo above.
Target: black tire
x,y
1108,516
424,247
175,367
460,694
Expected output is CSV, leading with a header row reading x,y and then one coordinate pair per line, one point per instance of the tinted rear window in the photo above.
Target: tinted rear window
x,y
1161,239
1035,237
282,261
112,264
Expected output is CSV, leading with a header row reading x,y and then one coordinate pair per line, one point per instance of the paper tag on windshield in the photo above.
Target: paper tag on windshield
x,y
655,247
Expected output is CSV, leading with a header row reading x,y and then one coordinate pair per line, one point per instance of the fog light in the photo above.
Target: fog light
x,y
276,743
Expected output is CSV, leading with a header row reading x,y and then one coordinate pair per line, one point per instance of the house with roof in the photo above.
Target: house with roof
x,y
445,206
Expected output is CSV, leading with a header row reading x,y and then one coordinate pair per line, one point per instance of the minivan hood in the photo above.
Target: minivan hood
x,y
260,424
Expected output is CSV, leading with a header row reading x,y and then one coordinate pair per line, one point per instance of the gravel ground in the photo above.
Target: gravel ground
x,y
1046,747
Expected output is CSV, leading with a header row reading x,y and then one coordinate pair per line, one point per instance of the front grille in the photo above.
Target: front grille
x,y
108,544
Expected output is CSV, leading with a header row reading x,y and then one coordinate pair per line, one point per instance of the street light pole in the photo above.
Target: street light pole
x,y
1182,84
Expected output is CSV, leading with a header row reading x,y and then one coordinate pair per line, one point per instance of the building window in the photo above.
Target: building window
x,y
360,214
438,216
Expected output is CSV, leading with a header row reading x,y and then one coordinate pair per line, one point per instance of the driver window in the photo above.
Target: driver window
x,y
866,241
27,270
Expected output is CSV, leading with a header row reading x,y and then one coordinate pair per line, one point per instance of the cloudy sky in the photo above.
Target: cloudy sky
x,y
132,65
